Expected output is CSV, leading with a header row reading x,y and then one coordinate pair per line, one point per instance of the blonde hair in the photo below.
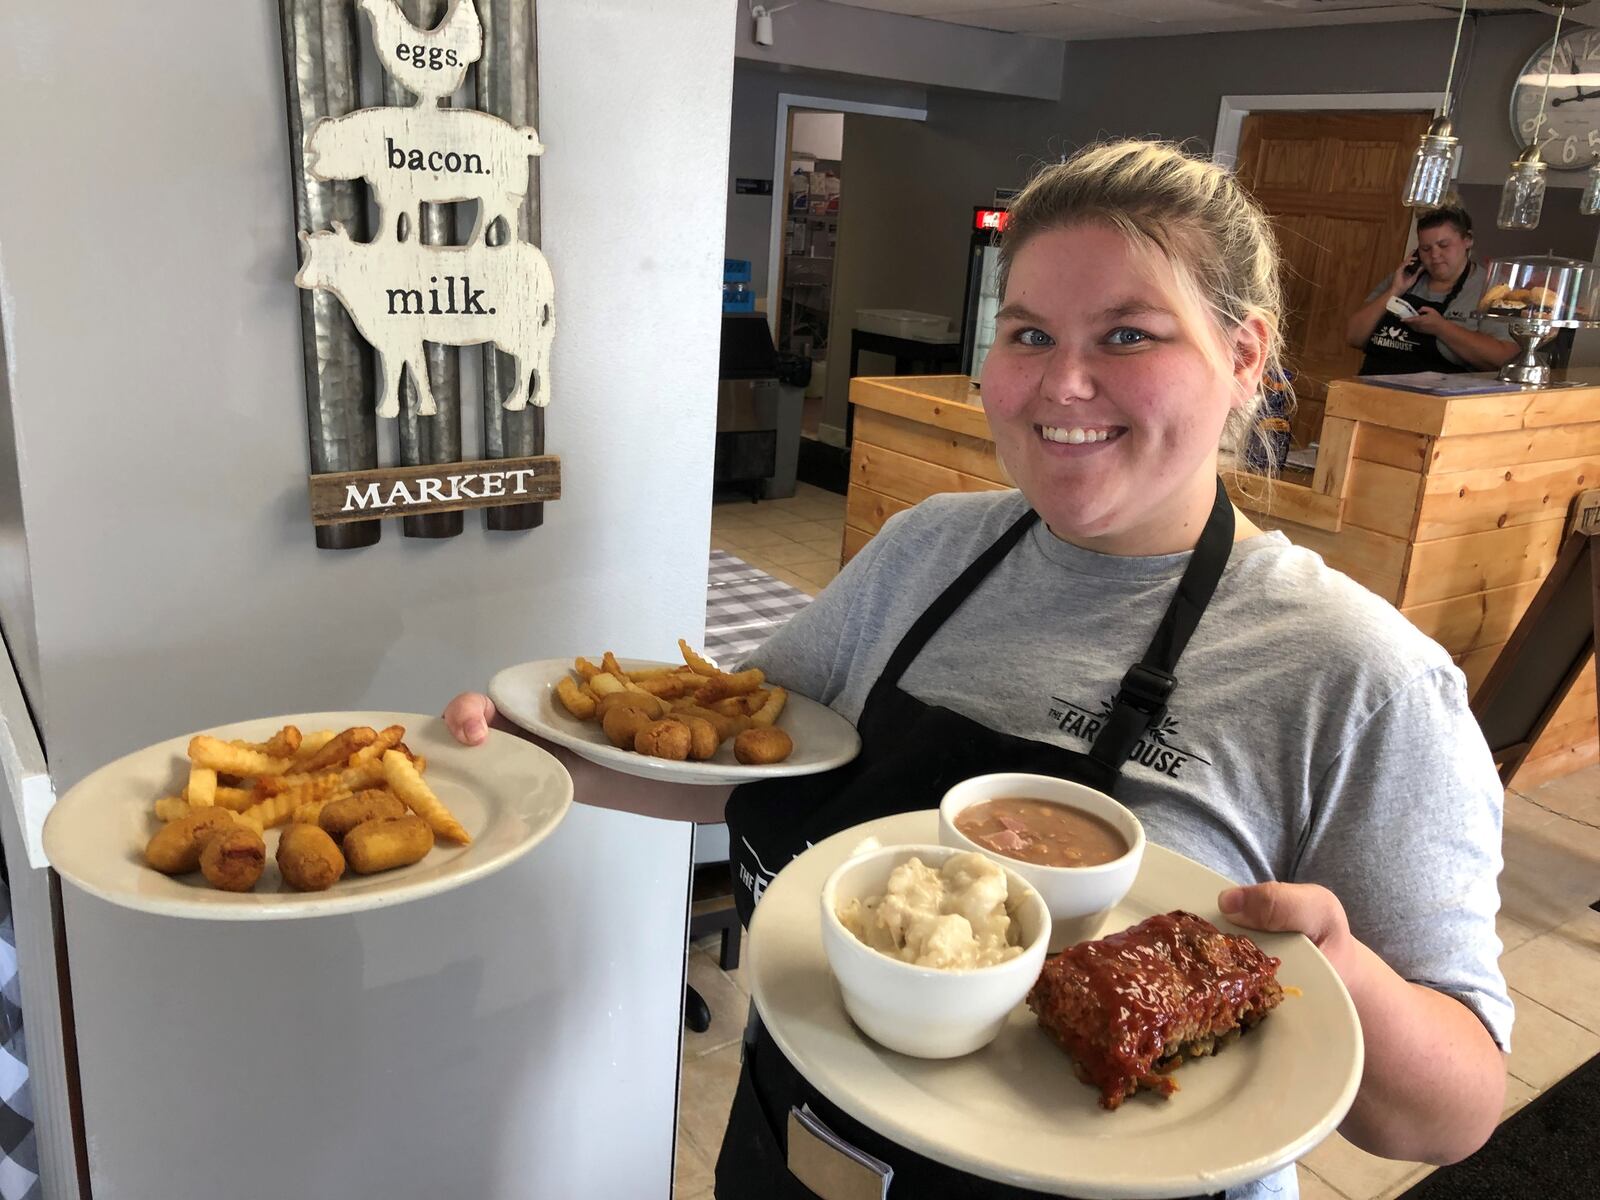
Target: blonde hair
x,y
1213,234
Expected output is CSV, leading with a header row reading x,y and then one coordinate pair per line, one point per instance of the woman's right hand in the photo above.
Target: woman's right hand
x,y
1405,277
467,718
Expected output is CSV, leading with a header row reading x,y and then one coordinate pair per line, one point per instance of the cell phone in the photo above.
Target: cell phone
x,y
1415,261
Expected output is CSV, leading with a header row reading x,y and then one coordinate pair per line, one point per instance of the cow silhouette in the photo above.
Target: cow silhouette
x,y
412,156
401,295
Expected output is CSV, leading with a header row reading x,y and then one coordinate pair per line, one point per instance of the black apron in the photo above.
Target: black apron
x,y
911,754
1395,349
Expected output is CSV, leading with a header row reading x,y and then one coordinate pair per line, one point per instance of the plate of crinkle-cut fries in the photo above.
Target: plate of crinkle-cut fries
x,y
304,816
685,722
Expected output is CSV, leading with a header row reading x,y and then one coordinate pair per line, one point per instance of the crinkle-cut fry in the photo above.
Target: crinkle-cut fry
x,y
172,808
420,762
406,782
573,699
276,810
610,665
644,673
388,739
337,753
307,813
720,687
283,744
312,742
699,664
767,715
219,756
605,683
586,670
234,799
202,789
662,687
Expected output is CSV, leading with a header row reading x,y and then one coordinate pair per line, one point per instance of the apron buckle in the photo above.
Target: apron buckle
x,y
1147,689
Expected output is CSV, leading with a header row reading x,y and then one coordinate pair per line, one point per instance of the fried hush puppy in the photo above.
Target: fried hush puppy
x,y
339,817
233,860
309,859
760,747
623,723
387,842
176,847
664,739
703,738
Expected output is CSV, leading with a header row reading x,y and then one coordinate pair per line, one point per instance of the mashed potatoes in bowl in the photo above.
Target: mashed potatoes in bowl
x,y
954,917
932,946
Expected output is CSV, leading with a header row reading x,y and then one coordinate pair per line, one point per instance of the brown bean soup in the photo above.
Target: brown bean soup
x,y
1042,832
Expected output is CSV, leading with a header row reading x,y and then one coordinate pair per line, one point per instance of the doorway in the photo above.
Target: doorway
x,y
1332,182
813,187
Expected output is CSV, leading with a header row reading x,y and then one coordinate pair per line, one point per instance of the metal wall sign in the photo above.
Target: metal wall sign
x,y
382,315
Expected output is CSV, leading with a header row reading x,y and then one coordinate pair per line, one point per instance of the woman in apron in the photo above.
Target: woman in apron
x,y
1115,621
1108,412
1435,277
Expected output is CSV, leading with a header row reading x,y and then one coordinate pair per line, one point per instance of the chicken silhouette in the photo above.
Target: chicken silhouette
x,y
432,62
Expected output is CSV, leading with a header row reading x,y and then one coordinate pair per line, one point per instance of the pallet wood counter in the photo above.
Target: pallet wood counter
x,y
1453,509
914,435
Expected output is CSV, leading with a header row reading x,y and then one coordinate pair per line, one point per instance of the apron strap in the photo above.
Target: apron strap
x,y
1146,688
949,600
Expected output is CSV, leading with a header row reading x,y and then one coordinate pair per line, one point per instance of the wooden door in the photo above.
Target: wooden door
x,y
1332,183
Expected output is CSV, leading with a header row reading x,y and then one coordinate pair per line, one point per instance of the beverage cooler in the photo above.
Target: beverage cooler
x,y
983,287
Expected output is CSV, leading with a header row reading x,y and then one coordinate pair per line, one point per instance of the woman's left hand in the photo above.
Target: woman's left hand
x,y
1428,320
1306,908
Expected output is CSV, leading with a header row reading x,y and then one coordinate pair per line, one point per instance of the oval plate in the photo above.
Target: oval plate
x,y
526,694
1014,1111
508,793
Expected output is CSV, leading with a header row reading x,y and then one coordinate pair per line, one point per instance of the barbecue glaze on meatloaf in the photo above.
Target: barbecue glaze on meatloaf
x,y
1130,1007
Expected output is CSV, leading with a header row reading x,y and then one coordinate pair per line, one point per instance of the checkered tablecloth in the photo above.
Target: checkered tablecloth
x,y
19,1154
743,607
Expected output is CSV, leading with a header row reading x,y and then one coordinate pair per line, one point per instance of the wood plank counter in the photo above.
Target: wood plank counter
x,y
1453,509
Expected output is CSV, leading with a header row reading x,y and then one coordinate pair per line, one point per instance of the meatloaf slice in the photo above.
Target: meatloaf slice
x,y
1130,1007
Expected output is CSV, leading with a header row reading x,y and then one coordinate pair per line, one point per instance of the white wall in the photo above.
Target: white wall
x,y
146,256
819,134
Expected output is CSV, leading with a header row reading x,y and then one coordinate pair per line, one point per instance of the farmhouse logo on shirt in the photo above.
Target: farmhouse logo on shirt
x,y
1156,749
1394,336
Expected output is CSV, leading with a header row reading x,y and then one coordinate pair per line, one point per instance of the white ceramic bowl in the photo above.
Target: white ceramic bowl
x,y
926,1012
1079,898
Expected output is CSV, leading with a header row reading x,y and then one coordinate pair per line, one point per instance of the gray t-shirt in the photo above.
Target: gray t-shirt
x,y
1315,735
1460,309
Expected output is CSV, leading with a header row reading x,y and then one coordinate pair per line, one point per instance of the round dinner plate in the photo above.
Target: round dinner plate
x,y
1014,1111
508,793
526,694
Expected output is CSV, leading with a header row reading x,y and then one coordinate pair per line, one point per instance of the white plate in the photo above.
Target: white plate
x,y
1014,1111
526,694
508,793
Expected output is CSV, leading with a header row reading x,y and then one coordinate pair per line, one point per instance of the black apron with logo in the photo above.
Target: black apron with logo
x,y
1396,349
911,754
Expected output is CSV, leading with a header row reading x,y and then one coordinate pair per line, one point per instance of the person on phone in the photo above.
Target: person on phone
x,y
1421,318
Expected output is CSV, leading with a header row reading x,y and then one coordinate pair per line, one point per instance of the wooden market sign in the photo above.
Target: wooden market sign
x,y
411,289
455,487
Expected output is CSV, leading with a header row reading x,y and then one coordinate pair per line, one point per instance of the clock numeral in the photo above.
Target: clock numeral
x,y
1569,149
1531,125
1594,139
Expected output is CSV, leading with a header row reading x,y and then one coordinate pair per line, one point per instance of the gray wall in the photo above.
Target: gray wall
x,y
156,381
16,579
817,36
903,222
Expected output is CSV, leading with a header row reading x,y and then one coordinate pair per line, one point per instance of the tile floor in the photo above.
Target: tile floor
x,y
796,539
1551,935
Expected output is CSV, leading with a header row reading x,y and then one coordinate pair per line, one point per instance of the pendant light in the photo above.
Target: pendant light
x,y
1522,197
1435,162
1589,205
